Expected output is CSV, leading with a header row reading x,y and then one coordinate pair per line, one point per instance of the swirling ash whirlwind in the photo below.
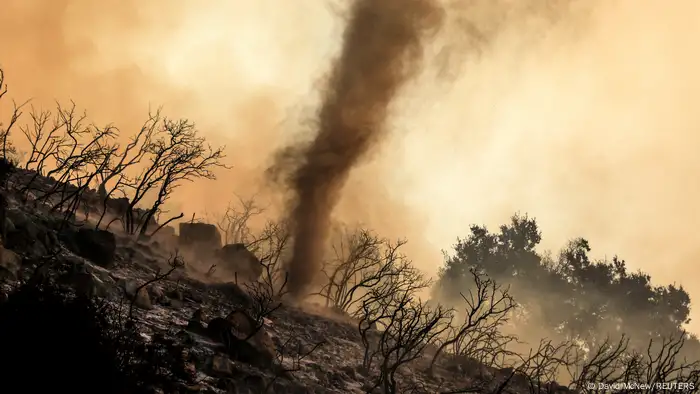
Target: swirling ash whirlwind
x,y
580,113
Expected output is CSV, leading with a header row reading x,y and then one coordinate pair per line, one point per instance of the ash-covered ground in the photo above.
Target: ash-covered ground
x,y
154,279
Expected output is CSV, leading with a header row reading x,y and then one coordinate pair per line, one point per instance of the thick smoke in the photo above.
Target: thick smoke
x,y
581,113
382,48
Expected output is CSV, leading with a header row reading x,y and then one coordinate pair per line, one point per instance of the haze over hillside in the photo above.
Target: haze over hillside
x,y
580,114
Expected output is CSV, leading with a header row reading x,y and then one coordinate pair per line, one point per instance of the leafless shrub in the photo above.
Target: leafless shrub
x,y
234,222
264,304
363,266
174,262
113,178
613,362
271,246
266,293
69,152
8,149
400,281
354,267
534,372
540,369
175,153
407,326
394,324
479,337
76,155
289,361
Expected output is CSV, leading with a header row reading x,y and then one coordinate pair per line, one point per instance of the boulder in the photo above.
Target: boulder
x,y
98,246
165,238
255,351
195,323
24,234
85,282
10,264
233,293
245,326
238,259
118,206
139,295
220,365
143,299
200,236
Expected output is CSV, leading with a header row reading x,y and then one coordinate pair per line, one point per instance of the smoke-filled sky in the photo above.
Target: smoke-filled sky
x,y
580,113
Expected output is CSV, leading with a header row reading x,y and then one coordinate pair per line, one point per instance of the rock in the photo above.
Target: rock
x,y
222,331
176,294
83,281
21,220
166,232
118,205
200,236
517,379
10,263
99,246
242,322
220,366
173,298
87,284
506,372
234,293
254,382
165,238
156,292
25,235
245,326
140,298
555,388
143,300
237,258
190,388
350,371
9,226
227,385
195,323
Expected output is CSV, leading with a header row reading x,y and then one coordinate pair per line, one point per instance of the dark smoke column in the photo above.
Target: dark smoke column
x,y
382,49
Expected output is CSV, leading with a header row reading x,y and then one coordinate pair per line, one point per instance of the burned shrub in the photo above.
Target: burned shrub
x,y
7,168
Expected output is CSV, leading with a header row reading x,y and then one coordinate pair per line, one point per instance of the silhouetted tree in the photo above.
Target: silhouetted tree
x,y
575,297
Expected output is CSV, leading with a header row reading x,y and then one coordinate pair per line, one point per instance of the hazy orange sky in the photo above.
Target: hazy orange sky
x,y
580,113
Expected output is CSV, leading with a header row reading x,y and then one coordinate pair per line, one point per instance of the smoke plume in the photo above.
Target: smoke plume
x,y
382,48
581,113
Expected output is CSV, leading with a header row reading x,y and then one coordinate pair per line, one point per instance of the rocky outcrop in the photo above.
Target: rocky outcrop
x,y
243,339
235,351
140,296
27,233
234,294
200,236
98,246
10,264
238,259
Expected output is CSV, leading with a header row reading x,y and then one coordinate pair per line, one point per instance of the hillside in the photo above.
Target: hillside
x,y
300,349
92,270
